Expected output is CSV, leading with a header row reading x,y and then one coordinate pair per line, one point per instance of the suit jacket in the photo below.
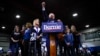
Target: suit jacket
x,y
46,18
37,31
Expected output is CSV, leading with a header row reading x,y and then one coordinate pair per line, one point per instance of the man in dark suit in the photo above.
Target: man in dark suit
x,y
51,19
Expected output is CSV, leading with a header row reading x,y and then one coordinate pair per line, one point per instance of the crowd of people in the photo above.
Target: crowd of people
x,y
30,38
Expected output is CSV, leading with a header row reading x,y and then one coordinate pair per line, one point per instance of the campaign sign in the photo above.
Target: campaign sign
x,y
52,27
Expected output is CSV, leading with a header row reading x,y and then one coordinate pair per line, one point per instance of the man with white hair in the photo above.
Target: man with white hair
x,y
51,19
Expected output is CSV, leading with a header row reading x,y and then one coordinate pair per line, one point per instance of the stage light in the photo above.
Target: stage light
x,y
3,27
75,14
18,16
87,26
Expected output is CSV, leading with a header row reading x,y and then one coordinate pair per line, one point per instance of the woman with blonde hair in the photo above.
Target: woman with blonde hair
x,y
36,37
26,38
76,36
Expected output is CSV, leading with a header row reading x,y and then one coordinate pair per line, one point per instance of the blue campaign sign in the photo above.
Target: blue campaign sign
x,y
52,27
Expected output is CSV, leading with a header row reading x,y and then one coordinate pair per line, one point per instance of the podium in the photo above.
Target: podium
x,y
52,29
53,50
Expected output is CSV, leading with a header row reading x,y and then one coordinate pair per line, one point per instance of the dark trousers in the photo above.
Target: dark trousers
x,y
48,46
38,47
26,48
70,51
14,49
76,48
62,47
32,47
22,48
